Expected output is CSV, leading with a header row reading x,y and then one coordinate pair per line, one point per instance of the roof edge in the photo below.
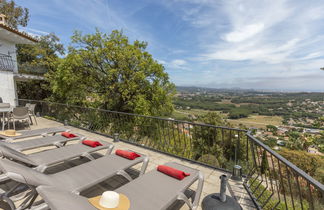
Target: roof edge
x,y
22,34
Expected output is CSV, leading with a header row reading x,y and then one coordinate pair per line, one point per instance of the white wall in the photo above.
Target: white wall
x,y
9,48
8,88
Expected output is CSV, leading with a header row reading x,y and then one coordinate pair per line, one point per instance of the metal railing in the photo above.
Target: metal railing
x,y
272,181
33,69
6,63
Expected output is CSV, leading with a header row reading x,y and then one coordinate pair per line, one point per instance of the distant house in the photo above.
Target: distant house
x,y
9,37
281,132
312,131
268,133
313,150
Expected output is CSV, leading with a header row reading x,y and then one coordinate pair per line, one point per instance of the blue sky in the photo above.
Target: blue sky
x,y
260,44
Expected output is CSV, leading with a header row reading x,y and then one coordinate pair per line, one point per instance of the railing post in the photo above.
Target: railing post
x,y
116,137
237,173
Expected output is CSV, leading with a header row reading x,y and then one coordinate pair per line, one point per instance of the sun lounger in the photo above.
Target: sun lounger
x,y
74,179
153,190
56,140
36,132
44,159
57,199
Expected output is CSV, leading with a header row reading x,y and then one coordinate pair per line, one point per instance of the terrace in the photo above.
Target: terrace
x,y
269,180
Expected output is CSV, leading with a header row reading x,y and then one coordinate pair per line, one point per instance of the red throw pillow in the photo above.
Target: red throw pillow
x,y
68,135
91,143
127,154
172,172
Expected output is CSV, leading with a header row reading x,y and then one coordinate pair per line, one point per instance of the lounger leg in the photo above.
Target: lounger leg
x,y
41,168
111,147
44,134
87,155
29,200
3,177
59,144
198,191
124,174
16,197
184,198
9,201
144,165
35,119
28,124
31,120
42,206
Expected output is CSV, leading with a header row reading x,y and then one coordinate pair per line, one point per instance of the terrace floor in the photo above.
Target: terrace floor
x,y
211,183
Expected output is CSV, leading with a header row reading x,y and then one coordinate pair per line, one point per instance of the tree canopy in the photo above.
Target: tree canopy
x,y
107,71
15,15
42,56
38,59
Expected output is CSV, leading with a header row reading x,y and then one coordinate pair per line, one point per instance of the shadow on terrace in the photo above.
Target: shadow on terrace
x,y
269,180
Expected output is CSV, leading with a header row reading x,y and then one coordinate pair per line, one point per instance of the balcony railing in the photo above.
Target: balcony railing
x,y
6,63
272,181
32,69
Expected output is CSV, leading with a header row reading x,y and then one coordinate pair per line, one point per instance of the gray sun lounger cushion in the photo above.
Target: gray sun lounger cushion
x,y
156,190
56,140
153,190
58,199
42,160
36,132
74,179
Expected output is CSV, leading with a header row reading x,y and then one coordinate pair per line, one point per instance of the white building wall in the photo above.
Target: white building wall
x,y
8,91
8,87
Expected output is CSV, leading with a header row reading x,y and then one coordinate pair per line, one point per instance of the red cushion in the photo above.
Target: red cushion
x,y
172,172
91,143
127,154
68,135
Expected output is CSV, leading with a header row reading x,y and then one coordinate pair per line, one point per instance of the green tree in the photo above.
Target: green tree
x,y
207,140
319,141
271,142
272,128
305,161
109,72
15,15
39,59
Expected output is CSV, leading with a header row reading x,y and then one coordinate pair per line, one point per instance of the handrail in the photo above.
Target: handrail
x,y
288,163
137,115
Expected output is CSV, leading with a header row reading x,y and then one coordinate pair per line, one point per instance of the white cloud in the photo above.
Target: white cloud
x,y
161,61
244,32
261,31
177,64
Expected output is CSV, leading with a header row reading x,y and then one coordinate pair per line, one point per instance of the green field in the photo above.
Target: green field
x,y
258,121
184,113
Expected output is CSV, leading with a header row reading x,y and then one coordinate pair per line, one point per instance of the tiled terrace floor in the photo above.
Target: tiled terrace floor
x,y
211,183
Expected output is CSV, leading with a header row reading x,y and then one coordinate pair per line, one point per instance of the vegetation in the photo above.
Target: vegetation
x,y
310,163
15,15
38,59
42,56
301,109
109,72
